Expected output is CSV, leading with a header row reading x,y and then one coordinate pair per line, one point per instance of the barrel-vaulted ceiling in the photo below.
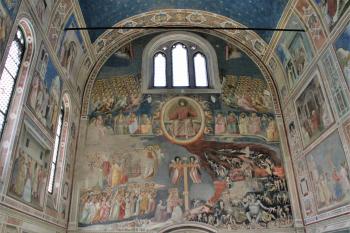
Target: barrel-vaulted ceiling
x,y
251,13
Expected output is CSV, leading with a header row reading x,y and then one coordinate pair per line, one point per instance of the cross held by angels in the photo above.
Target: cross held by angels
x,y
182,167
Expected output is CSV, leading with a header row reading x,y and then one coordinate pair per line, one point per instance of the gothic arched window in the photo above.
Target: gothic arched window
x,y
9,75
180,65
180,62
56,151
200,70
159,67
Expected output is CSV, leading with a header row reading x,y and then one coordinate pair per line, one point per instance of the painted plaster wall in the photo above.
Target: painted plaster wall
x,y
328,38
328,65
317,42
124,126
28,140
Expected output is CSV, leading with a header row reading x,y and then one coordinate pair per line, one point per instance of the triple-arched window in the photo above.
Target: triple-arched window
x,y
10,74
180,62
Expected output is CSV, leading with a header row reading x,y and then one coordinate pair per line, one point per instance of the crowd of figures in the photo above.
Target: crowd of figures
x,y
130,202
107,121
124,203
246,93
267,204
28,179
122,124
331,186
262,202
128,112
254,210
118,115
242,164
246,124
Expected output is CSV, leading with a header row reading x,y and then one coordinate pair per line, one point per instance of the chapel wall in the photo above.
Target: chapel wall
x,y
311,72
320,152
130,142
47,80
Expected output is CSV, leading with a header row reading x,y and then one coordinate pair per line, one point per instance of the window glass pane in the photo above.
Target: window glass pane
x,y
16,60
180,66
55,152
59,126
2,121
15,52
20,36
6,87
200,69
52,174
11,66
159,70
9,75
54,157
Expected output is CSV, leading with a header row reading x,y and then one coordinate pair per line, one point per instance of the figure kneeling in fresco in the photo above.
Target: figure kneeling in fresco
x,y
254,208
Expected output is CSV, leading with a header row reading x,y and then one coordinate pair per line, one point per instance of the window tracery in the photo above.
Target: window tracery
x,y
180,62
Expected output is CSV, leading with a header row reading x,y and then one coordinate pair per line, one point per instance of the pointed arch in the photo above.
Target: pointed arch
x,y
159,70
179,65
200,70
59,156
16,103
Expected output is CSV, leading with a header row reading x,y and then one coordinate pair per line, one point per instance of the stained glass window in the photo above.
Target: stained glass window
x,y
9,75
56,151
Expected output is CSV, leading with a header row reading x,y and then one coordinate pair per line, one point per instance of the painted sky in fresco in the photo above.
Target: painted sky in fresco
x,y
344,40
252,13
12,6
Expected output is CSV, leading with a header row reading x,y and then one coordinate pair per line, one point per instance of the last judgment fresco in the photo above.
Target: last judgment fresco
x,y
154,160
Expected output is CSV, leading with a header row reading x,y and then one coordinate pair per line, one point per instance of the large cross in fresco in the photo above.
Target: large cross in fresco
x,y
183,167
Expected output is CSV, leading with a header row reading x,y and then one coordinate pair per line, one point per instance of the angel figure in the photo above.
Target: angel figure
x,y
175,170
195,172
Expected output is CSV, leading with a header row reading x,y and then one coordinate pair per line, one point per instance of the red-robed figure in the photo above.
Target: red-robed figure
x,y
182,125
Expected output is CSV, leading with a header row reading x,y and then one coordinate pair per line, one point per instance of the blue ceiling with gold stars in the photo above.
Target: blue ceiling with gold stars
x,y
252,13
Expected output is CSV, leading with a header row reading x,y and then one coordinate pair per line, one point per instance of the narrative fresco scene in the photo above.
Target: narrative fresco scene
x,y
313,111
45,91
148,158
343,53
329,173
8,11
70,48
338,89
30,168
294,51
332,11
175,116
